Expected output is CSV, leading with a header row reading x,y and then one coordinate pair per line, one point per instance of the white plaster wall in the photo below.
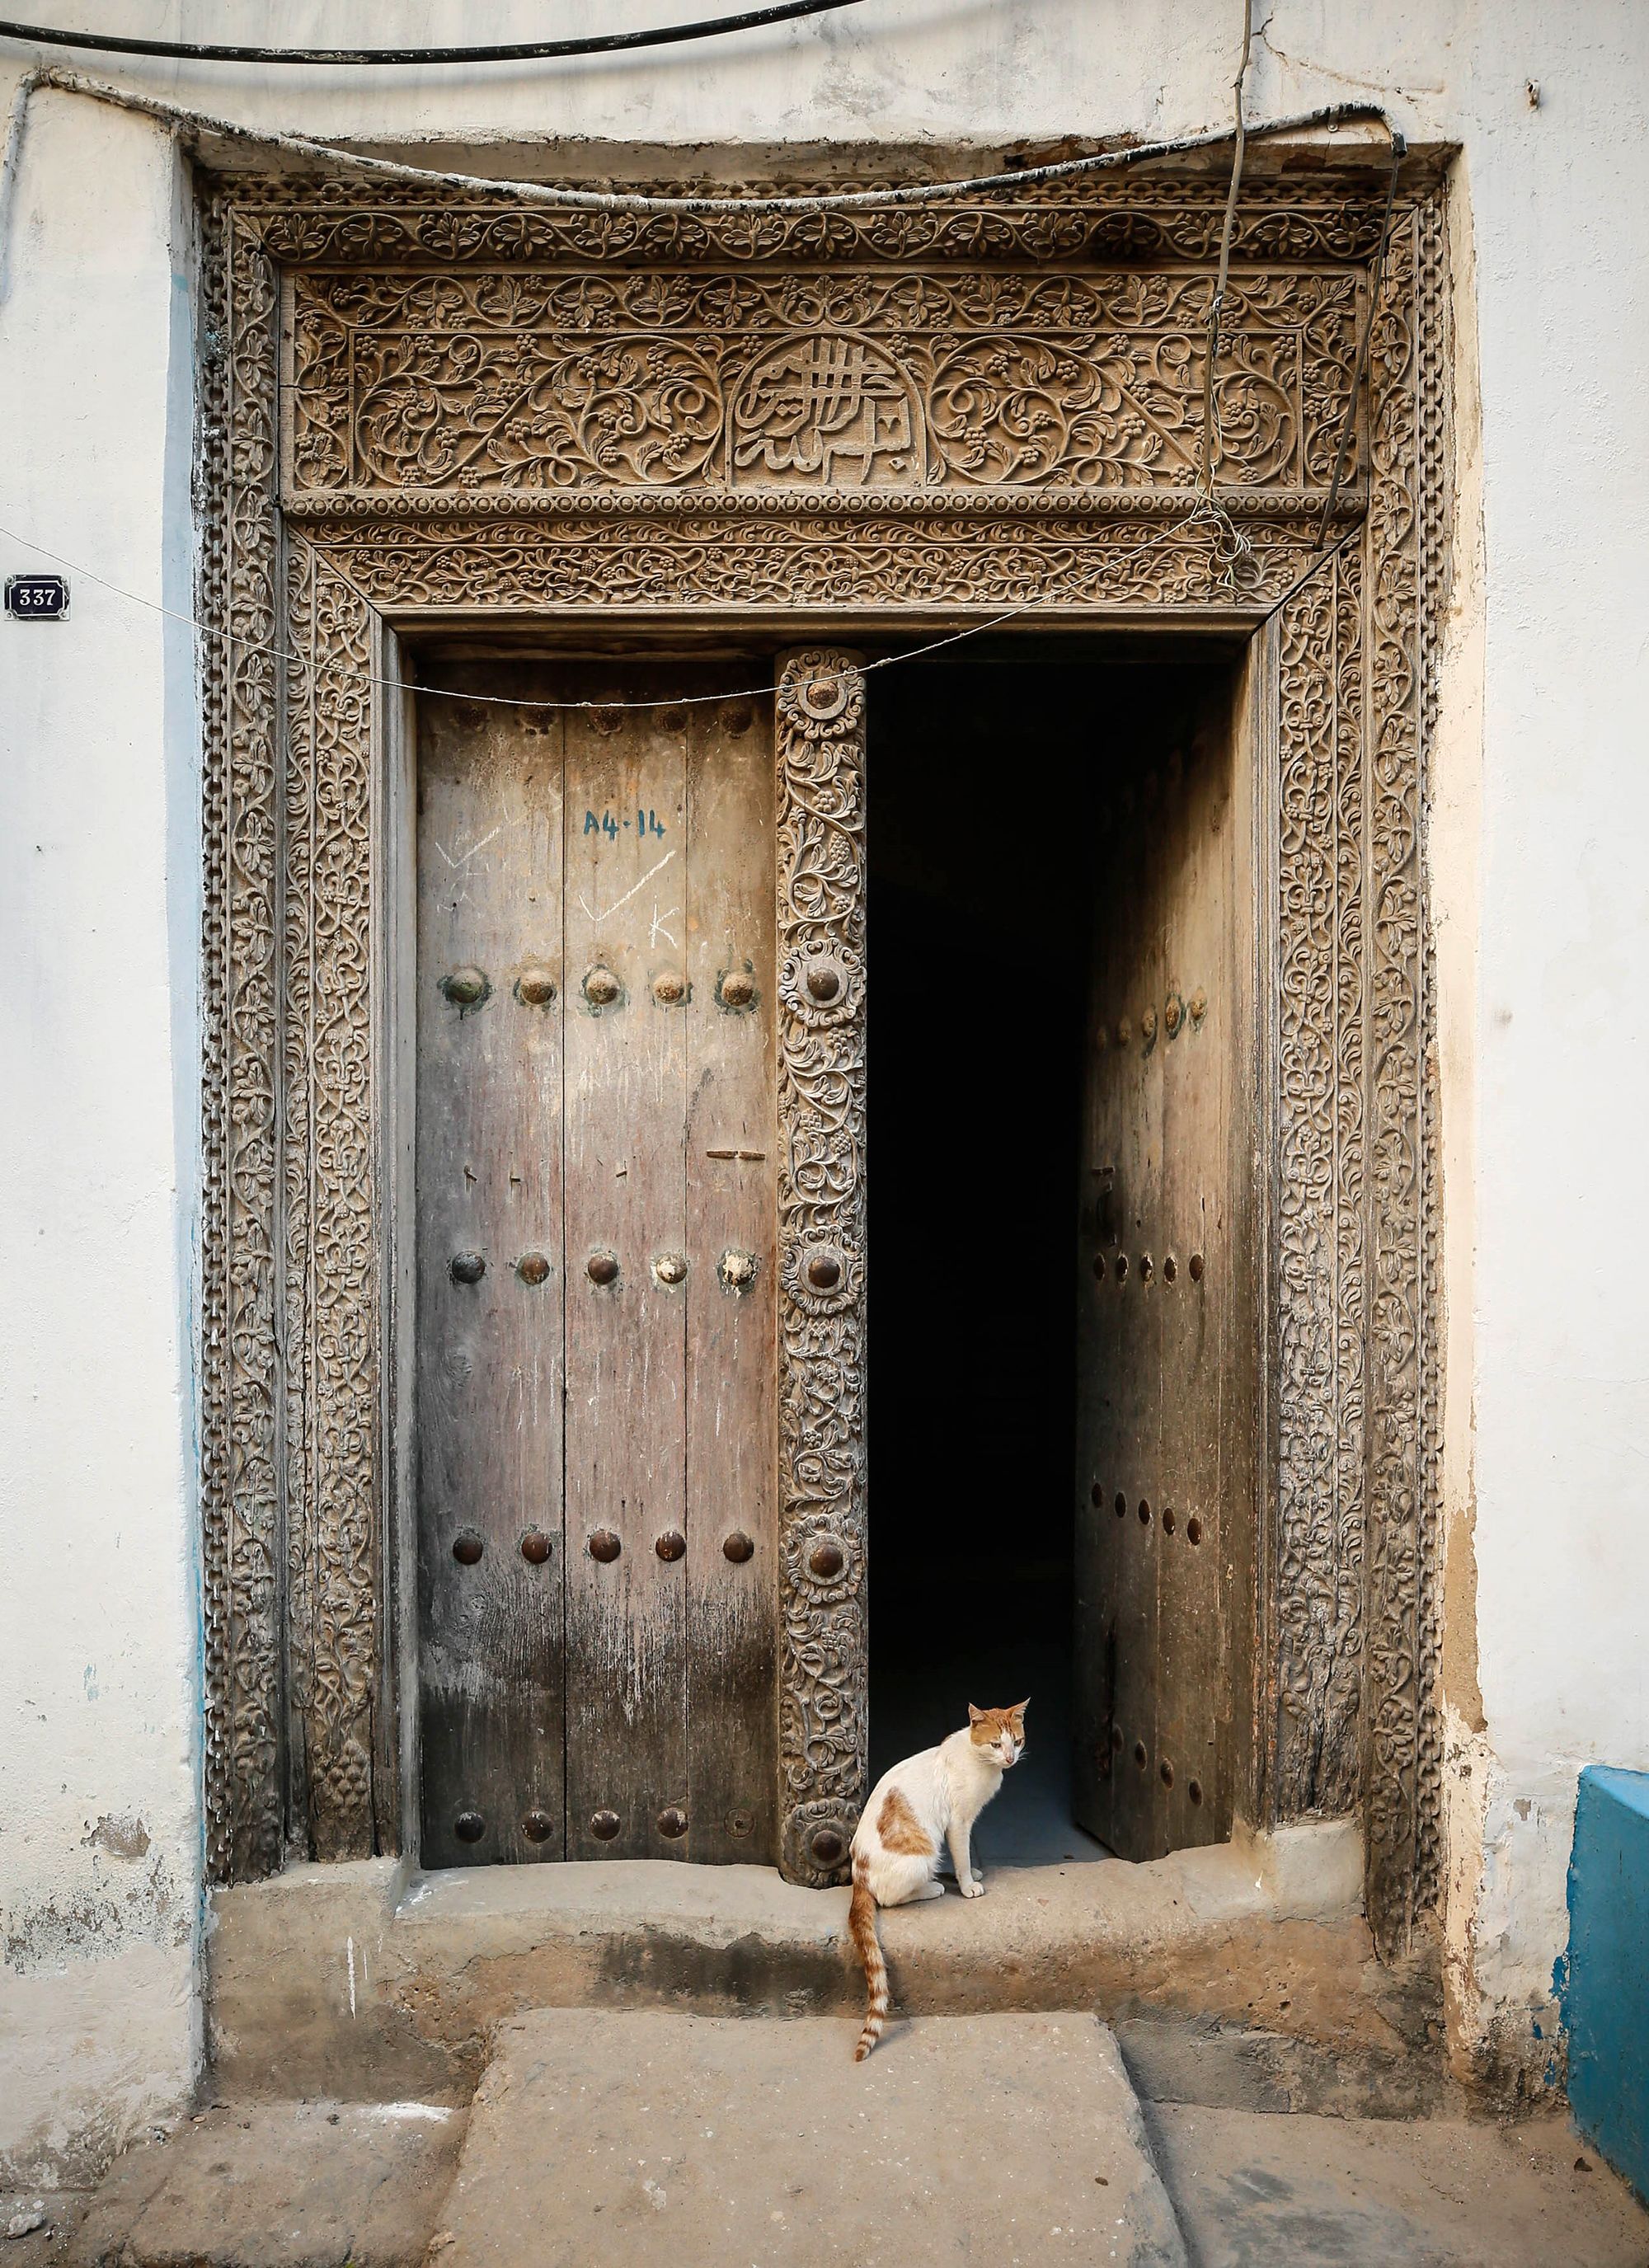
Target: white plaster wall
x,y
1543,793
99,1829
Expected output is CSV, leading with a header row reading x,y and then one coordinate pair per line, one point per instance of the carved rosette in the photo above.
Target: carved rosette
x,y
823,1738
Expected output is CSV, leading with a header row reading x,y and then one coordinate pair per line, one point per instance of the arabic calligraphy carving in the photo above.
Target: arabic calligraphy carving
x,y
826,409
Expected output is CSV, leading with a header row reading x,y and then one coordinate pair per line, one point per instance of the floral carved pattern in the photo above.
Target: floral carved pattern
x,y
683,556
974,407
823,1728
1402,1527
1322,1294
548,383
240,1493
329,1225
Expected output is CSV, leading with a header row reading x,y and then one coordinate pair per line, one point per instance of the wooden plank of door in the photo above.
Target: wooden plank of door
x,y
726,955
489,1329
1231,1350
1141,1668
627,1275
1197,906
1100,1479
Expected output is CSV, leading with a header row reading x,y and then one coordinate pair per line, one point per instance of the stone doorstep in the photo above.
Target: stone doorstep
x,y
366,1981
671,2141
277,2185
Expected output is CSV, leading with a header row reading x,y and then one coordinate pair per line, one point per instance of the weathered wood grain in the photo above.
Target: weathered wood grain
x,y
730,1362
626,1112
490,1353
1168,1343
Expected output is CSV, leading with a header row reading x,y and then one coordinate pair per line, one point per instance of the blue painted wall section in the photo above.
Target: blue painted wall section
x,y
1606,1998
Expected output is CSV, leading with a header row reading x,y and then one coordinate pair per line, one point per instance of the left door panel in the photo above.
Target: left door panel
x,y
490,1334
595,1433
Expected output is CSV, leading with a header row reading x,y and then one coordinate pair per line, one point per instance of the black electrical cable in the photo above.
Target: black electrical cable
x,y
604,43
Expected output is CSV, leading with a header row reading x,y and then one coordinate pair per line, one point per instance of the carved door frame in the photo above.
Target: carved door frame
x,y
422,411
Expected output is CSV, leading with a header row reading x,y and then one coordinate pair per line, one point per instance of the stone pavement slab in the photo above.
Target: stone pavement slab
x,y
675,2141
1260,2191
277,2185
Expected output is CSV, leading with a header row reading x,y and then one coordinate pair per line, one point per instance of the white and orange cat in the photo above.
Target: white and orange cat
x,y
929,1801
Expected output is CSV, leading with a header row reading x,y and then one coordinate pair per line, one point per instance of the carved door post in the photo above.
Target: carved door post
x,y
823,1739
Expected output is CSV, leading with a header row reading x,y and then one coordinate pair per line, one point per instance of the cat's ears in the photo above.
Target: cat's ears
x,y
974,1715
1018,1710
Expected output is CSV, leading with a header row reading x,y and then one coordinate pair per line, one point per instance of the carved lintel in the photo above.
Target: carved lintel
x,y
823,1724
538,381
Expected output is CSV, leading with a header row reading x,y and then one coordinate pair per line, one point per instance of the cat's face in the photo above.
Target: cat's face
x,y
1000,1732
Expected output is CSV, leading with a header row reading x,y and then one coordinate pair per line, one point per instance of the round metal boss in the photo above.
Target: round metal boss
x,y
824,699
465,988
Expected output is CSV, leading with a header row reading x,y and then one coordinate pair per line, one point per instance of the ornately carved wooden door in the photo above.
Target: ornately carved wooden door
x,y
1167,1334
595,1177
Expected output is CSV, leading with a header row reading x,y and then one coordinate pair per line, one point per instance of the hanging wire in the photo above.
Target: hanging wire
x,y
200,124
1217,302
1233,549
215,632
598,43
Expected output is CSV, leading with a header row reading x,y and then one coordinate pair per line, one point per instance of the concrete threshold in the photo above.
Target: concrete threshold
x,y
369,1981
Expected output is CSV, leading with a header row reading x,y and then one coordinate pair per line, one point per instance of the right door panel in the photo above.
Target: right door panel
x,y
1168,1339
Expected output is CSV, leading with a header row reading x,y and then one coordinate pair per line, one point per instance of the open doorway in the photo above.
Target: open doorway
x,y
1010,801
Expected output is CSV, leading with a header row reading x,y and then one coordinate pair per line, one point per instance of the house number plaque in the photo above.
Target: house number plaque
x,y
37,598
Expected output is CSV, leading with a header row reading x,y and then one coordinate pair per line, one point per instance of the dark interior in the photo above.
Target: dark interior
x,y
987,794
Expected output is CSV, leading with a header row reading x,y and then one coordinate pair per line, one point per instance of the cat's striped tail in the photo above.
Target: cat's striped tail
x,y
862,1930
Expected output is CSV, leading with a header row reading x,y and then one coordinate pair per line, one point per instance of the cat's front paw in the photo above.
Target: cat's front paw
x,y
973,1889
